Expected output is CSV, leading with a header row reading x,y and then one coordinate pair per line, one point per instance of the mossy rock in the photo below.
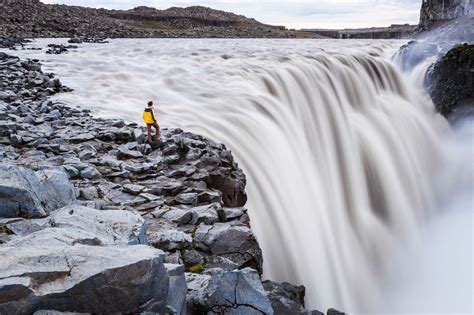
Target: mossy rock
x,y
451,81
199,268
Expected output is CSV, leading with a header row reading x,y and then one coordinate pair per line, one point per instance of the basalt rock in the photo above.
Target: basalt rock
x,y
451,83
233,292
34,195
183,196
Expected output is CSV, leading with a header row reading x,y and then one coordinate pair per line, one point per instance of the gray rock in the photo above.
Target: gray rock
x,y
56,190
21,186
124,153
178,288
169,239
207,214
236,243
187,198
9,209
86,155
90,172
88,193
82,137
71,171
233,292
87,225
81,278
133,189
233,213
15,140
285,298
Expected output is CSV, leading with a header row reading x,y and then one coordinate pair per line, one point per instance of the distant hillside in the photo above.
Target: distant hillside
x,y
31,18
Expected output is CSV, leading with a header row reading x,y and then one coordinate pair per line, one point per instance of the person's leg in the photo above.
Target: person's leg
x,y
149,133
157,127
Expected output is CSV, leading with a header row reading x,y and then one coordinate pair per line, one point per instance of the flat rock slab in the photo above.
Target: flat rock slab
x,y
81,278
33,194
233,292
87,225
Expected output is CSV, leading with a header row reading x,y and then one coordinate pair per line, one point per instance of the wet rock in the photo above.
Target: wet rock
x,y
451,83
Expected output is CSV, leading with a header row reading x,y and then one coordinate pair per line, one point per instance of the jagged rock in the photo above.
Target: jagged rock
x,y
451,82
233,292
178,288
187,198
56,190
90,172
236,243
103,227
433,11
21,189
80,278
285,298
124,153
168,239
233,189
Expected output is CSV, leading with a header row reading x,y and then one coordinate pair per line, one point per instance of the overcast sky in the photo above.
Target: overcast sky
x,y
293,14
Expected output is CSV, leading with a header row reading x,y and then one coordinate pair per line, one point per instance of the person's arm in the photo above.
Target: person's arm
x,y
153,115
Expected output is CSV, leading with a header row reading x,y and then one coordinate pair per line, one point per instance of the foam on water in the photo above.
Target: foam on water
x,y
342,153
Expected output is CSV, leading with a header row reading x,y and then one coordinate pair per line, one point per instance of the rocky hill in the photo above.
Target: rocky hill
x,y
35,19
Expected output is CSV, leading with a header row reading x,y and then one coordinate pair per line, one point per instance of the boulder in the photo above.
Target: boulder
x,y
80,278
100,227
34,195
234,242
451,82
56,190
19,189
232,189
285,298
125,153
233,292
178,288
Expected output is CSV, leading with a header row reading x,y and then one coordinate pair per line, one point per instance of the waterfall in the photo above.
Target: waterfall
x,y
339,153
340,148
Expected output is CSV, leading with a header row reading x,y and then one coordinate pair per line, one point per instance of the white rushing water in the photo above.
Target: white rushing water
x,y
342,153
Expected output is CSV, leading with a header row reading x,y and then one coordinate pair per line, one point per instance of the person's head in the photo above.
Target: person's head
x,y
150,103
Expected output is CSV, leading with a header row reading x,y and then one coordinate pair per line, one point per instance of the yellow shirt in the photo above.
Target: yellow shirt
x,y
149,116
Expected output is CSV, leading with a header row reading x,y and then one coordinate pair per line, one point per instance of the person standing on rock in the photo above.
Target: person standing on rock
x,y
150,120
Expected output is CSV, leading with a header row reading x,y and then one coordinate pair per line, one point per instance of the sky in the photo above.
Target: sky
x,y
293,14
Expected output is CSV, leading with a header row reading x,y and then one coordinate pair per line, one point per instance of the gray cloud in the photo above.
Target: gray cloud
x,y
293,14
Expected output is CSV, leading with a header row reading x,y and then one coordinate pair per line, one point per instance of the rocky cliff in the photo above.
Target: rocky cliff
x,y
433,11
95,220
451,83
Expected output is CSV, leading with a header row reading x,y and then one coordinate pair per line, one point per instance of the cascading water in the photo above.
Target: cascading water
x,y
339,147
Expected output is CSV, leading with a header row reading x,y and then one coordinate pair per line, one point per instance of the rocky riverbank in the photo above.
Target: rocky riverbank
x,y
95,220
